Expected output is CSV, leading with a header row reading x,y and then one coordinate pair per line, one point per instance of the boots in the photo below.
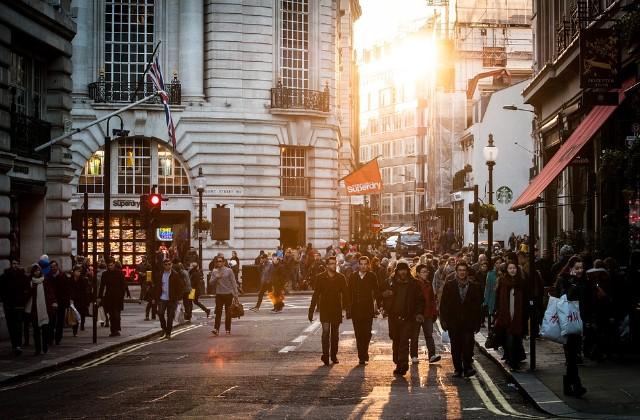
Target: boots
x,y
573,388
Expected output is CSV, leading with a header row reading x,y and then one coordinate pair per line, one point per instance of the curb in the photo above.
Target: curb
x,y
79,356
537,392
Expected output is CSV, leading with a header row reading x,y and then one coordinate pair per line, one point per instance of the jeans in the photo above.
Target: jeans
x,y
200,305
188,306
263,288
151,307
56,324
362,330
571,352
40,337
223,300
167,307
14,318
114,320
400,332
427,329
330,330
462,349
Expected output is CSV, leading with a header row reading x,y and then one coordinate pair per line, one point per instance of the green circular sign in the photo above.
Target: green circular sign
x,y
504,195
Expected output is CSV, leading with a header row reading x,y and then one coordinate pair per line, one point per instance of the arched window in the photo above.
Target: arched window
x,y
141,163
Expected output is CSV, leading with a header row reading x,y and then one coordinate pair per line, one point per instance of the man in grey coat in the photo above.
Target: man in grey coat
x,y
223,284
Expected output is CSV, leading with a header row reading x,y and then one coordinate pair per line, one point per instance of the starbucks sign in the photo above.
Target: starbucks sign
x,y
504,195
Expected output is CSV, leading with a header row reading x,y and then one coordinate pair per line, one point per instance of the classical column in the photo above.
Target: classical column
x,y
83,48
6,159
191,40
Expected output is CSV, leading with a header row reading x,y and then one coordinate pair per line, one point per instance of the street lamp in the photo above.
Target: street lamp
x,y
515,108
490,155
201,183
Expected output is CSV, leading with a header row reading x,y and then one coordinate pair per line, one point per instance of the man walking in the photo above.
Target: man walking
x,y
430,315
168,288
14,293
225,288
362,292
404,303
112,290
266,272
330,295
460,314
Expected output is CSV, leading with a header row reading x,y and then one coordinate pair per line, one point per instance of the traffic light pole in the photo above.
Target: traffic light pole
x,y
475,225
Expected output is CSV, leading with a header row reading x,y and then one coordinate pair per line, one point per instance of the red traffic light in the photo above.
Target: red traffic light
x,y
155,199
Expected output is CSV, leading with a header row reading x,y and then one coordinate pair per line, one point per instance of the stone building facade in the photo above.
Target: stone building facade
x,y
260,106
35,105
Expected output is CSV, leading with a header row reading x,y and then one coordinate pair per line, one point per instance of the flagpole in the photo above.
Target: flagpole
x,y
146,70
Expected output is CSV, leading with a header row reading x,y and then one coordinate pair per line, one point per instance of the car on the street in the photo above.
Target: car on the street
x,y
409,244
392,242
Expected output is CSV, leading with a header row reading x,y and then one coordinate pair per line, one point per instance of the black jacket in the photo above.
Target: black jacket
x,y
176,286
361,294
112,290
330,295
14,288
412,305
457,315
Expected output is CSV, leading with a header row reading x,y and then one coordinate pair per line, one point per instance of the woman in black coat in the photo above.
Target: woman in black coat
x,y
112,290
80,292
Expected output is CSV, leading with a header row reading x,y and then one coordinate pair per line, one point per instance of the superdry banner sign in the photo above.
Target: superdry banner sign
x,y
365,180
599,59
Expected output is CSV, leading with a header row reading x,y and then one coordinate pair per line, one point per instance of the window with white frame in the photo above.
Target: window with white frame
x,y
294,43
386,204
386,175
397,174
364,153
134,165
397,148
91,180
396,203
410,146
408,203
386,150
410,172
172,178
128,35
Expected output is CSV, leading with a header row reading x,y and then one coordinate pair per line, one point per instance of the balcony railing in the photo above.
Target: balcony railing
x,y
27,133
112,92
295,186
299,99
581,14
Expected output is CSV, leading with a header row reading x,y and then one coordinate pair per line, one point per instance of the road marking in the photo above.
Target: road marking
x,y
225,391
299,339
313,327
498,395
485,398
164,396
287,349
106,397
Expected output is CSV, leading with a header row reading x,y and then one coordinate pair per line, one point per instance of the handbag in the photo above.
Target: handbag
x,y
192,294
102,317
70,318
550,328
495,339
237,310
569,315
179,315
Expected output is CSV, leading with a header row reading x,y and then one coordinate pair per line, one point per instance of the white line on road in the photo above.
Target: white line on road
x,y
287,349
164,396
225,391
299,339
313,327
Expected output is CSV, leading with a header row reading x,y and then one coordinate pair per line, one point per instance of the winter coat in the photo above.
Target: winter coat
x,y
458,315
14,288
430,303
517,324
176,286
413,303
61,287
112,290
490,291
330,295
80,294
577,289
361,294
49,297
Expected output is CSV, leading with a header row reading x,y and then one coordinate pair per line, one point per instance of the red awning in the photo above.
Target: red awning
x,y
587,128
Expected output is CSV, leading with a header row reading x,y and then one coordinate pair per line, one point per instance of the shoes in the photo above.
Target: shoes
x,y
435,358
325,360
167,336
335,360
215,332
469,373
82,328
116,334
457,374
208,311
572,389
187,321
255,309
400,371
362,362
415,360
228,332
147,319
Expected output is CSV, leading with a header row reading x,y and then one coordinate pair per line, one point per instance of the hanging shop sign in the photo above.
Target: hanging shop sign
x,y
599,59
504,195
164,234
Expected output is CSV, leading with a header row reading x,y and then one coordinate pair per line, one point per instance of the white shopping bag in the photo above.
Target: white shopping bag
x,y
75,313
445,337
179,316
102,317
569,314
550,328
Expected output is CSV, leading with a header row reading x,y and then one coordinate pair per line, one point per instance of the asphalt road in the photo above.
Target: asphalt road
x,y
268,368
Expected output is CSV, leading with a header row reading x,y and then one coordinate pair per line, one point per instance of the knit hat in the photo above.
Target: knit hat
x,y
402,264
566,251
384,262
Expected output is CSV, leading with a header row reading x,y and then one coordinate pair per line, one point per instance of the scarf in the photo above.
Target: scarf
x,y
41,302
511,306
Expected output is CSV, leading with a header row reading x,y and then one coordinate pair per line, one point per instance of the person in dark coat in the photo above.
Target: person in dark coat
x,y
60,283
41,306
404,303
111,296
362,294
14,292
424,276
197,282
460,315
511,316
80,295
330,295
168,289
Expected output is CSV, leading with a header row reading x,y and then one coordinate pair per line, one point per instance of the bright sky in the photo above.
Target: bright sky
x,y
385,19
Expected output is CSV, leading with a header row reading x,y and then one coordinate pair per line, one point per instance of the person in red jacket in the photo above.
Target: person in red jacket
x,y
430,315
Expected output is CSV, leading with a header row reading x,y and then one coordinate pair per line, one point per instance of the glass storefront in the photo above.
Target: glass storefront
x,y
127,239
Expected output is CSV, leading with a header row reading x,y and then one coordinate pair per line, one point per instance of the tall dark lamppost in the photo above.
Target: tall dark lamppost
x,y
490,155
201,183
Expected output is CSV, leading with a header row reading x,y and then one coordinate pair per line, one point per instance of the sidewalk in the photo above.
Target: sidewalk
x,y
613,388
134,328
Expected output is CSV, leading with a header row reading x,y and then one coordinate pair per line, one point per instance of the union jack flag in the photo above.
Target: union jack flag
x,y
155,73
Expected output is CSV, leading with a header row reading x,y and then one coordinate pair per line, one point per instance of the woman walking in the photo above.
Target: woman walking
x,y
79,289
225,288
510,316
573,283
490,289
41,305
